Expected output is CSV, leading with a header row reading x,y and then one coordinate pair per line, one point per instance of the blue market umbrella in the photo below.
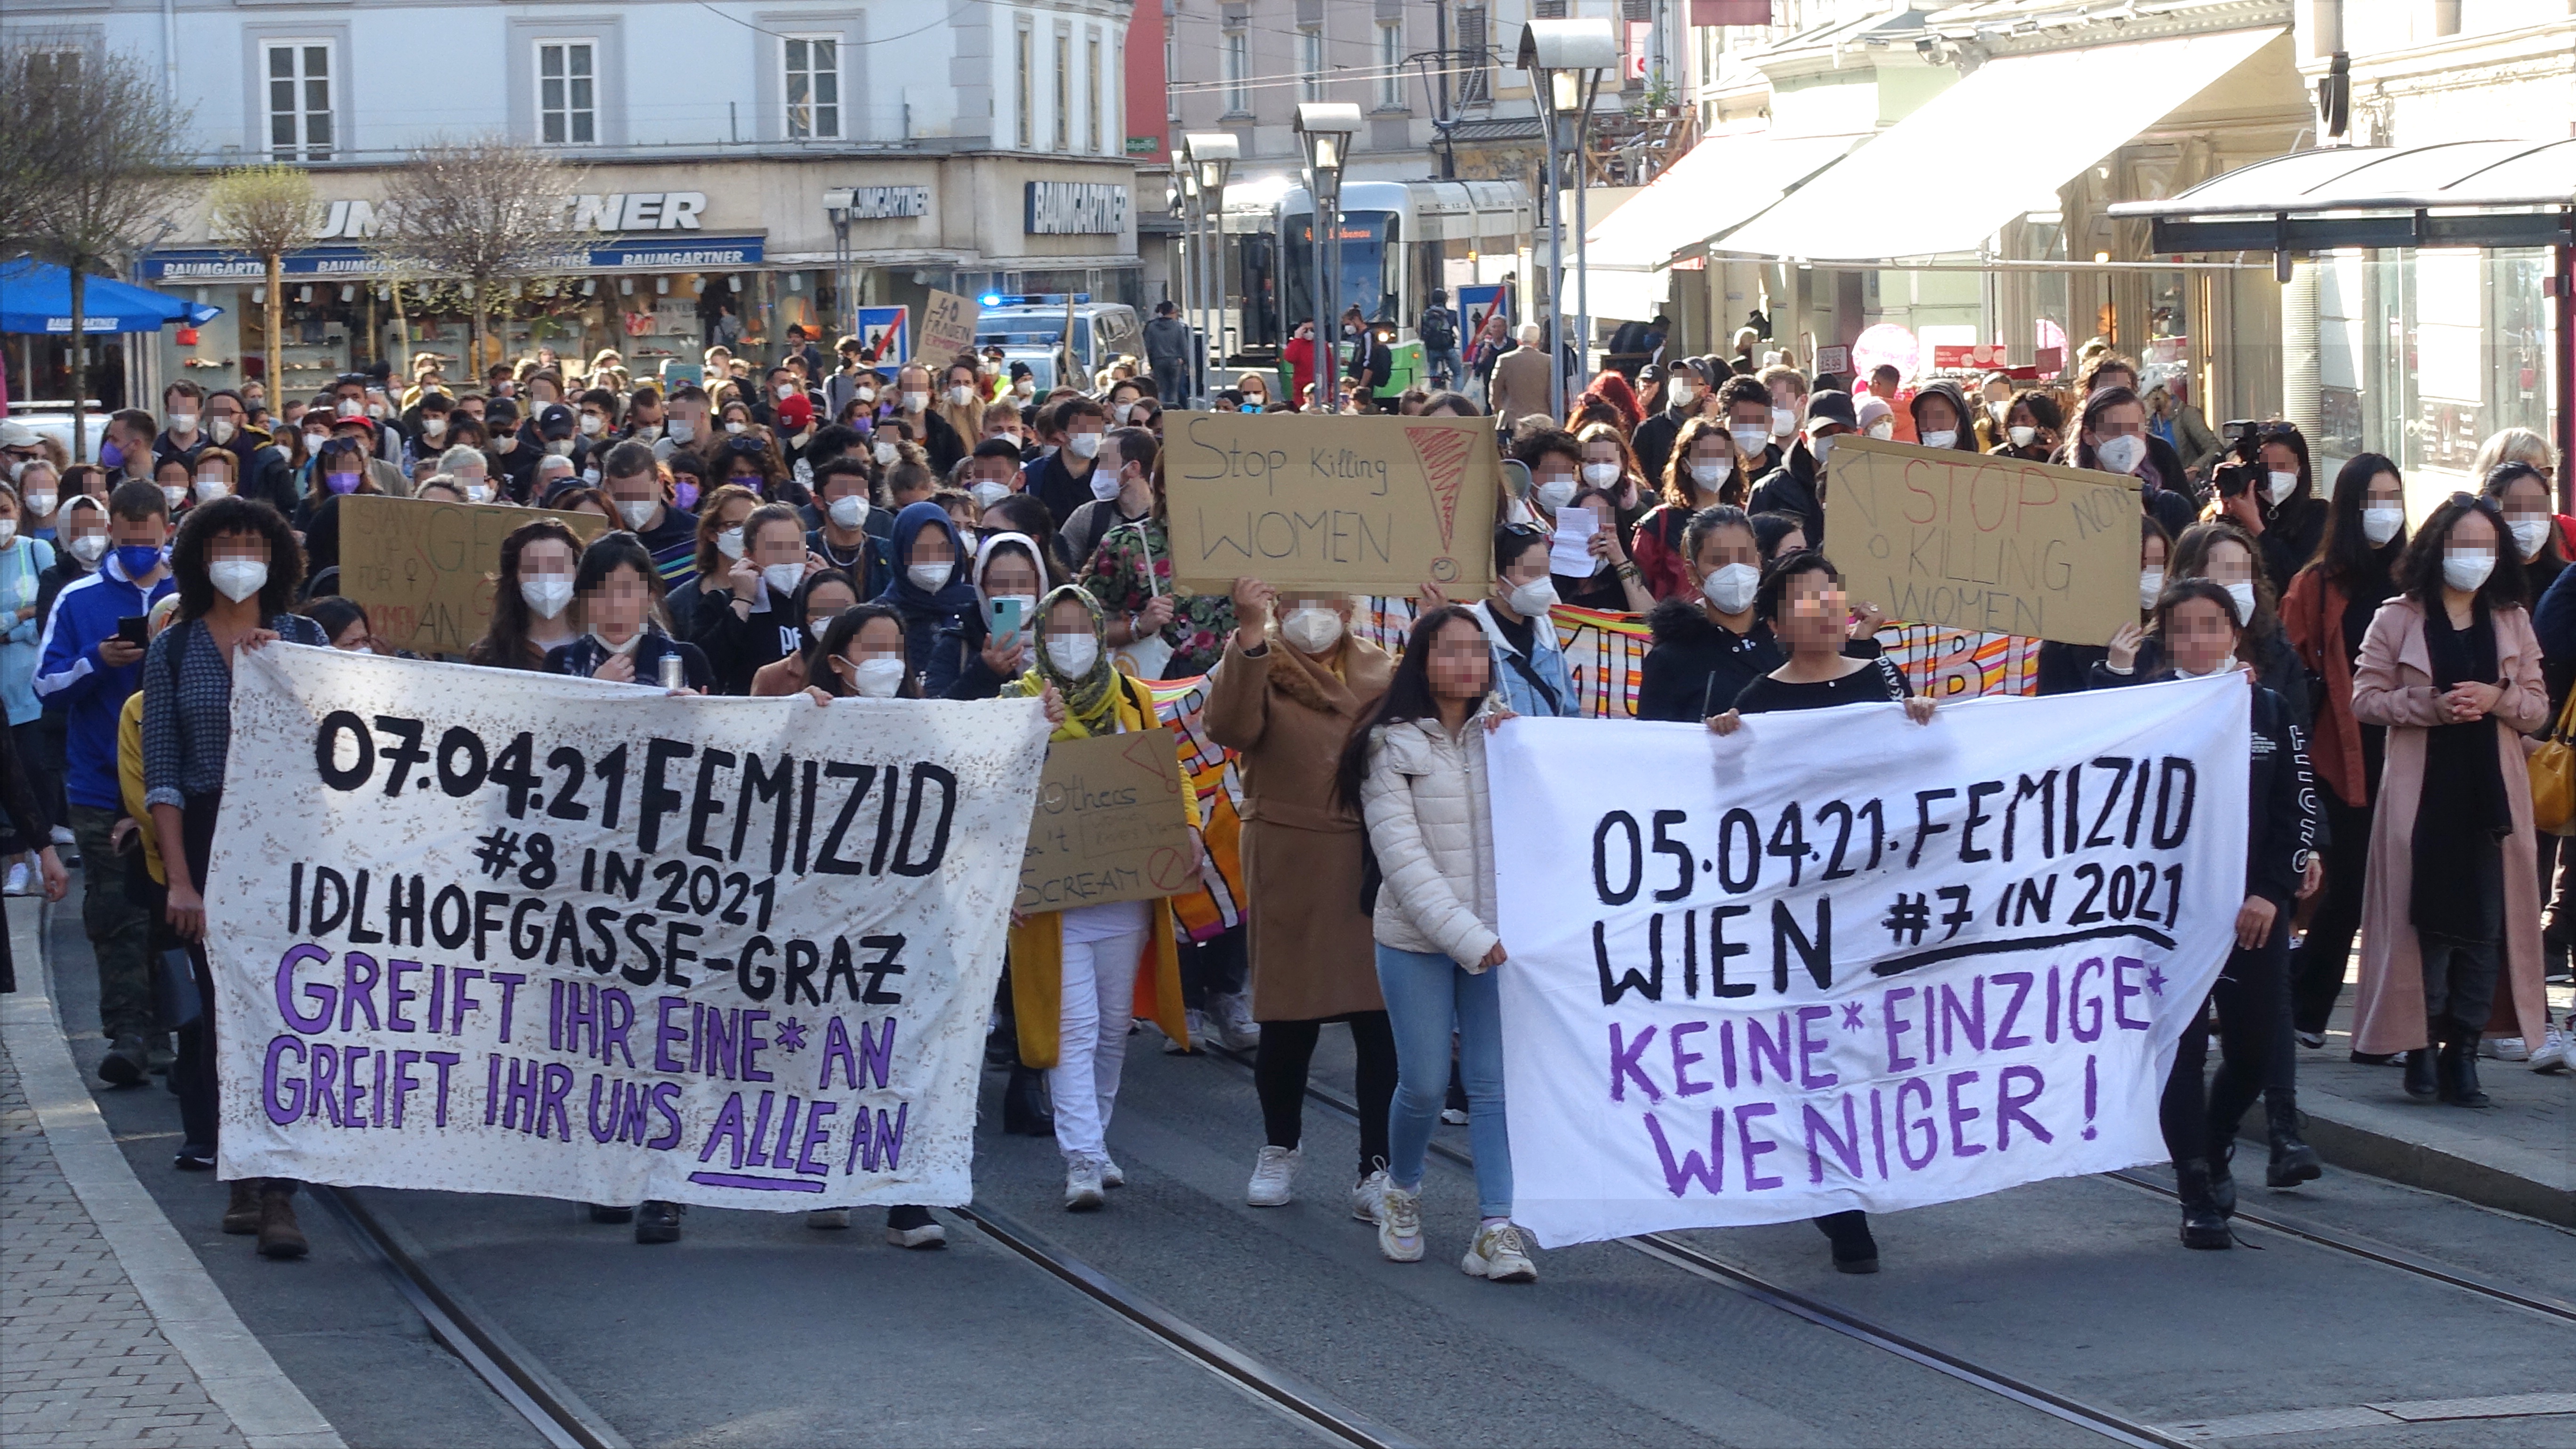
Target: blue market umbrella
x,y
37,297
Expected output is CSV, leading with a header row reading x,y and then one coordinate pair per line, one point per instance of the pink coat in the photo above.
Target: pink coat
x,y
2393,686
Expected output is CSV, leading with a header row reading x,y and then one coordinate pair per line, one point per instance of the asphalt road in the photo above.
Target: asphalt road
x,y
755,1330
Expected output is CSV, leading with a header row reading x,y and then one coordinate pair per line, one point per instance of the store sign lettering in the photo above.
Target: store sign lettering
x,y
880,203
356,220
1075,208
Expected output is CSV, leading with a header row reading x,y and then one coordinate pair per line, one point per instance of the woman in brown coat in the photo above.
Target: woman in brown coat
x,y
2451,910
1285,706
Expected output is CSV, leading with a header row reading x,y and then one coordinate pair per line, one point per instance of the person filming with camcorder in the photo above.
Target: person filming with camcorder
x,y
2264,486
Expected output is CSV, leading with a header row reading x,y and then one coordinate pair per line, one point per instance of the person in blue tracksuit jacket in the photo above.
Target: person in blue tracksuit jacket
x,y
86,667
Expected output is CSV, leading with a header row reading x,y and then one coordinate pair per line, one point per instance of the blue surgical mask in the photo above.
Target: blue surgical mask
x,y
138,559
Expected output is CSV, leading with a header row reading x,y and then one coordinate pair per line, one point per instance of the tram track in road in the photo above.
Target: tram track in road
x,y
1286,1391
1675,1253
516,1376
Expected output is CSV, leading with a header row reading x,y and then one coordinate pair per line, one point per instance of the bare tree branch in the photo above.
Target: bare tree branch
x,y
267,210
476,214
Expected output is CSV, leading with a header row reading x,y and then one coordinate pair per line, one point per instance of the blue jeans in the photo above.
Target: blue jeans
x,y
1427,997
1447,363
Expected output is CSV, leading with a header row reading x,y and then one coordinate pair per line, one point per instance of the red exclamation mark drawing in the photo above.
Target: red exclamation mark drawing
x,y
1442,452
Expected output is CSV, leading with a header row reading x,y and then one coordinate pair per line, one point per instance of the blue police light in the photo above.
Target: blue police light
x,y
990,299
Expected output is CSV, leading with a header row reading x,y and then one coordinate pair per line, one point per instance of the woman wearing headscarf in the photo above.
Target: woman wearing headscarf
x,y
930,589
1073,972
991,643
1285,705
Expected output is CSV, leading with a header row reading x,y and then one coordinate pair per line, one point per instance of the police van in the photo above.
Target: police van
x,y
1032,328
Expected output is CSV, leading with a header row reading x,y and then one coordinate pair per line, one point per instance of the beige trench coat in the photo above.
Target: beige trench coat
x,y
2393,686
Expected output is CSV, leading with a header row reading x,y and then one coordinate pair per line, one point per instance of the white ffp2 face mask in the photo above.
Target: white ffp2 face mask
x,y
2465,569
931,577
1311,629
2243,593
548,595
1073,654
1750,441
2380,523
2528,536
1730,589
1532,600
2021,437
2278,485
1709,475
637,512
849,511
1945,438
783,578
237,578
878,678
1600,475
2121,454
2151,586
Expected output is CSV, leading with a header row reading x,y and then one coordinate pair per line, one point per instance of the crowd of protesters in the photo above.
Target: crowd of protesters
x,y
836,527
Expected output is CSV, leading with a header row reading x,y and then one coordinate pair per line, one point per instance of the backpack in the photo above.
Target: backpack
x,y
1439,330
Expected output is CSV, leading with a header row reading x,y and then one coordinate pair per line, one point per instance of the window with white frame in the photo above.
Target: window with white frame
x,y
1238,73
568,92
1063,91
1027,57
299,100
1091,93
1390,64
1171,72
1310,62
813,88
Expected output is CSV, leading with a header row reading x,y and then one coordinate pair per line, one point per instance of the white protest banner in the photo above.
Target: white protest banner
x,y
492,931
1839,960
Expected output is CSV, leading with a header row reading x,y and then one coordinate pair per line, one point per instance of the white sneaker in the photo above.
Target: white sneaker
x,y
1368,1197
828,1218
1201,1030
1454,1116
1274,1176
62,835
1498,1257
1082,1185
1111,1175
17,885
1399,1226
2554,1052
2504,1048
1231,1019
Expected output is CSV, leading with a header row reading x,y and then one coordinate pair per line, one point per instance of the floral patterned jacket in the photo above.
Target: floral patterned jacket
x,y
1133,564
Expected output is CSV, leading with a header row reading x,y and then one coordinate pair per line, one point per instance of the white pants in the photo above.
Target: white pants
x,y
1091,1039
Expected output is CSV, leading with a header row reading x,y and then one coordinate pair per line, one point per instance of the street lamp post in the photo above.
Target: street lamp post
x,y
1212,155
1566,60
1325,129
1195,303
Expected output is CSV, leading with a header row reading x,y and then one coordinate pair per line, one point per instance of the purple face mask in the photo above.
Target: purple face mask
x,y
341,482
110,454
684,493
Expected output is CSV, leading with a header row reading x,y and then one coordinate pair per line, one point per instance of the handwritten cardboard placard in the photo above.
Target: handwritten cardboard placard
x,y
423,569
1109,826
1986,544
947,327
1367,505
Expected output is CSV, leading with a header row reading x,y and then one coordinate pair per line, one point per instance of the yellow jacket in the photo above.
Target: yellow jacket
x,y
129,783
1037,946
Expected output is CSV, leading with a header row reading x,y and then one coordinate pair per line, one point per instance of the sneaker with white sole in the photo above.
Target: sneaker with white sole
x,y
1498,1256
2554,1051
1111,1174
1368,1197
828,1218
2505,1048
1230,1017
1082,1192
17,883
1202,1032
62,835
2313,1040
912,1227
1274,1178
1454,1116
1399,1225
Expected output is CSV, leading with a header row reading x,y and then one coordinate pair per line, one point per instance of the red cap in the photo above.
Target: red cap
x,y
796,412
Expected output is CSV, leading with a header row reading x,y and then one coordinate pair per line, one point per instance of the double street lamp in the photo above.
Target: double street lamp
x,y
1325,129
1566,61
1210,157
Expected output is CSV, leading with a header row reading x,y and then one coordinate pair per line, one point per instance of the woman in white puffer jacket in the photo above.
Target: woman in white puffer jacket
x,y
1416,769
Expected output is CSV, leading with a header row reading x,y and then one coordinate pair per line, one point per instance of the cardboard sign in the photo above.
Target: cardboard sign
x,y
1109,826
1363,505
947,327
1991,545
423,569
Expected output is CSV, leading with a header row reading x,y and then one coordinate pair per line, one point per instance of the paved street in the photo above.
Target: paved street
x,y
755,1330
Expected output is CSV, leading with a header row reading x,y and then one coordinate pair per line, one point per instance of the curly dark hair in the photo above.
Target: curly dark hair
x,y
234,515
2508,585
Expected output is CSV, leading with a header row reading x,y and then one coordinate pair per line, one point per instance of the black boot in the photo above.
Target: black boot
x,y
2293,1161
2457,1071
2222,1173
2419,1072
1855,1251
1026,1111
658,1222
2202,1224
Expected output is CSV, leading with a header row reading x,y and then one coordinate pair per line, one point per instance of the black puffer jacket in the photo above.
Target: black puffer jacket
x,y
1696,666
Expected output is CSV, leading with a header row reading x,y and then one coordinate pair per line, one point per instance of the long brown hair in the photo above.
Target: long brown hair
x,y
1679,491
504,644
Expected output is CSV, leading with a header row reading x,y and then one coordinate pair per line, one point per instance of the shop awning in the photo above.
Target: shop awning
x,y
2458,194
1621,294
37,297
1718,185
1937,184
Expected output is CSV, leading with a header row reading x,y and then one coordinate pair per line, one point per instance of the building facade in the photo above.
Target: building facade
x,y
776,163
